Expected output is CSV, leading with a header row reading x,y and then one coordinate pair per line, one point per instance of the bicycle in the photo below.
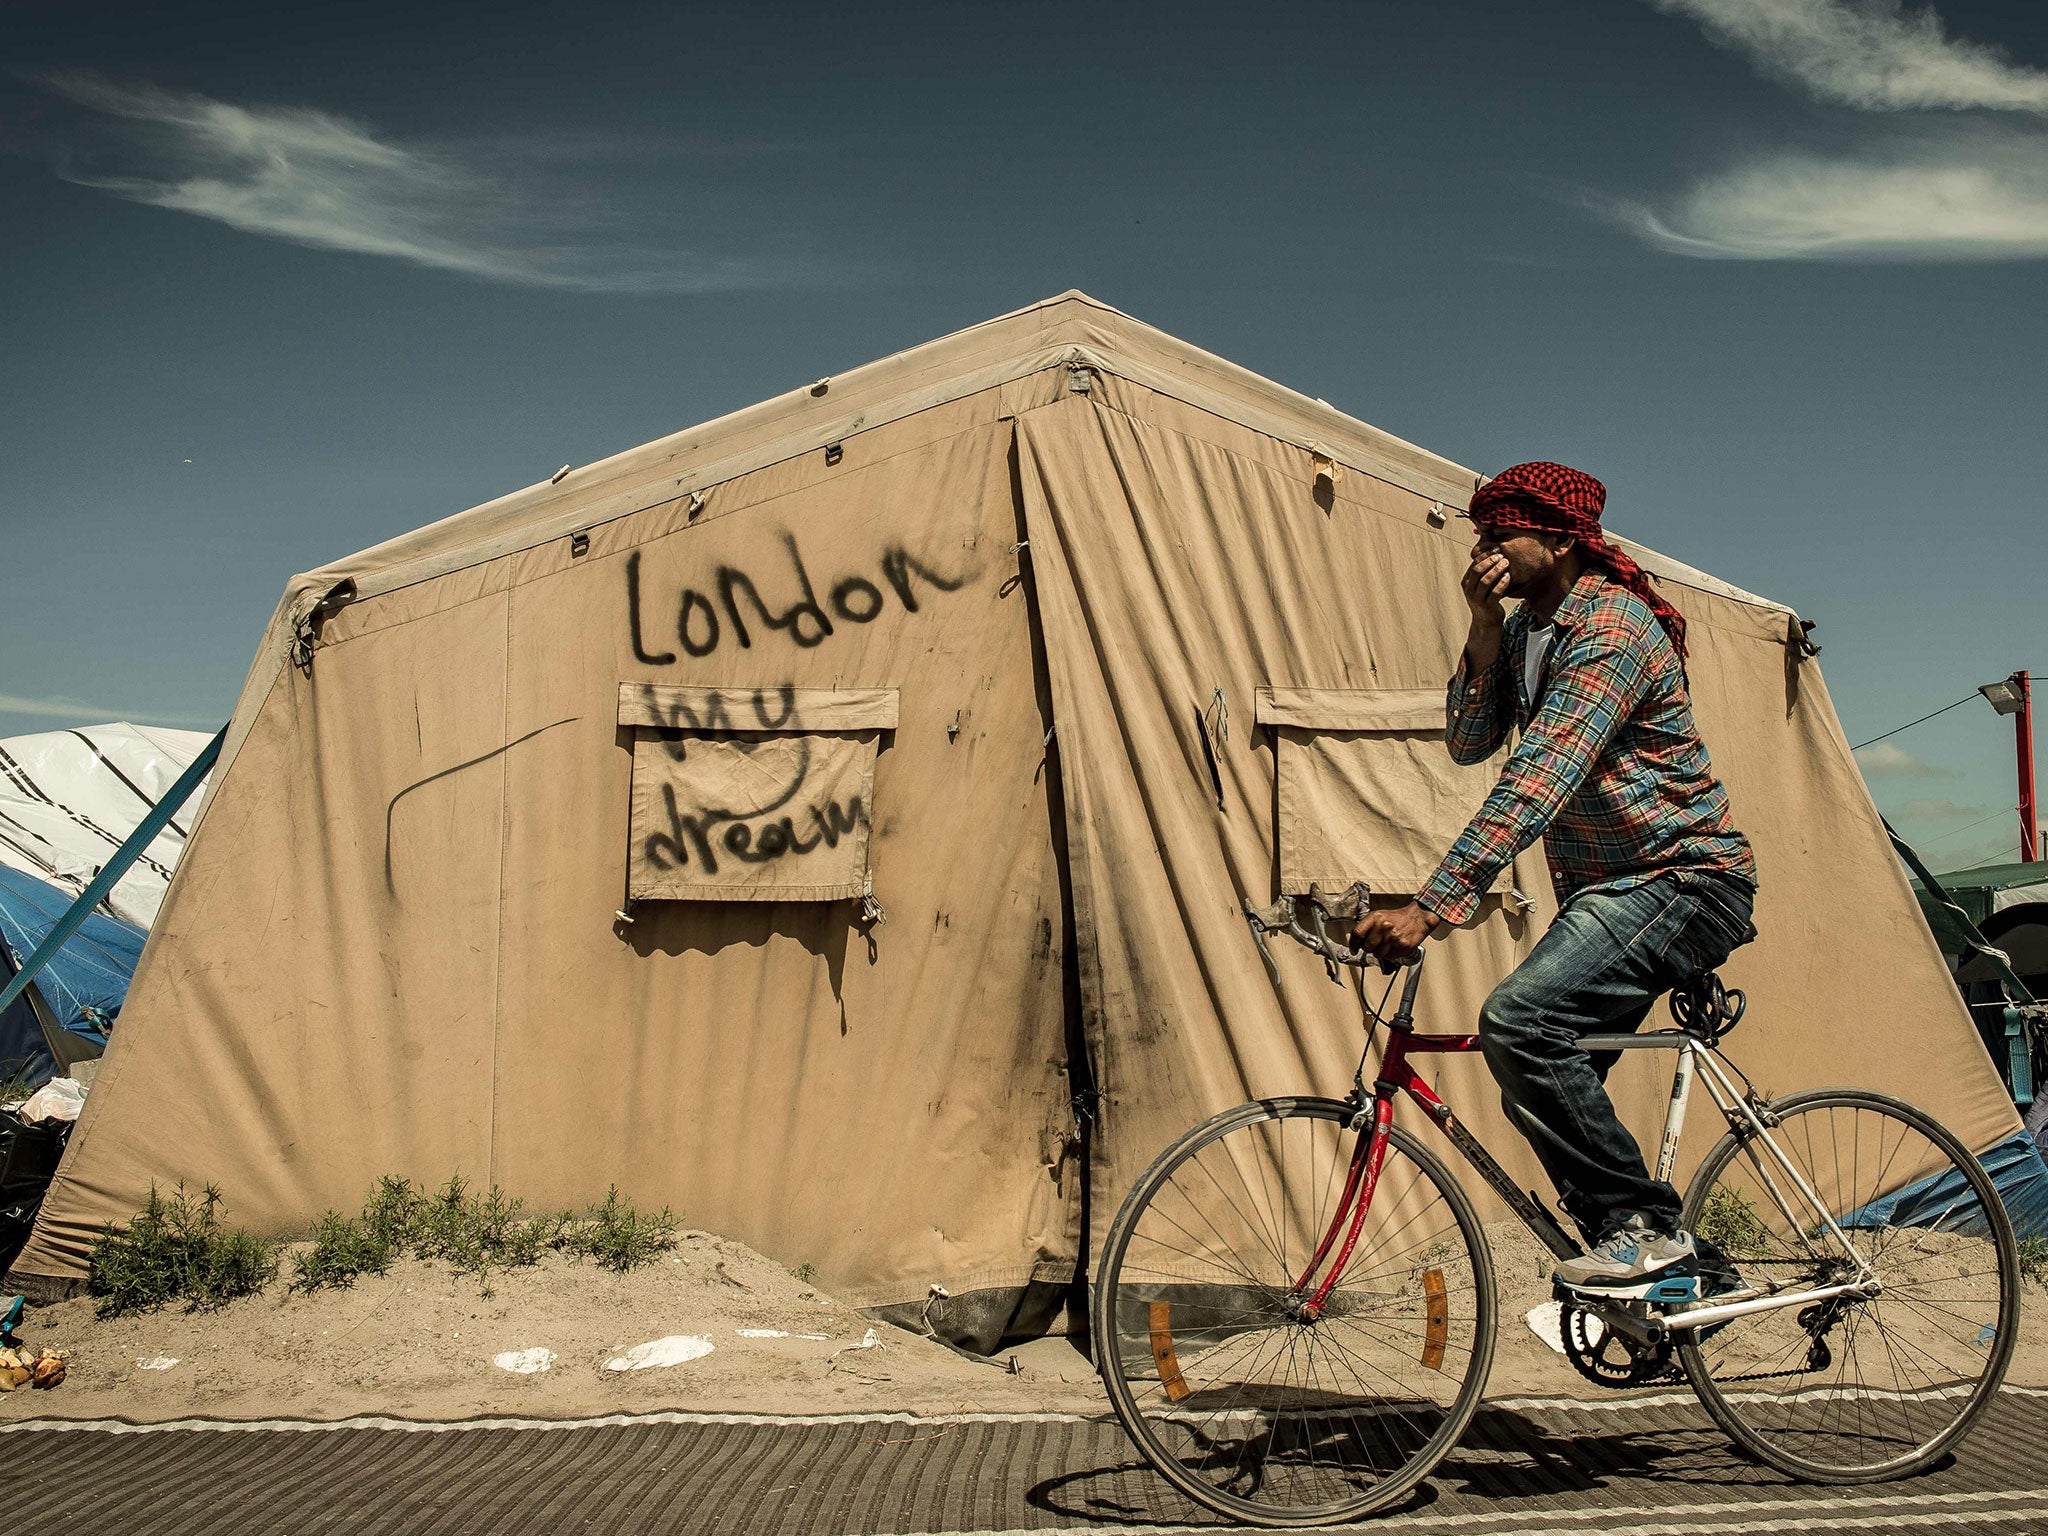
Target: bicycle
x,y
1294,1315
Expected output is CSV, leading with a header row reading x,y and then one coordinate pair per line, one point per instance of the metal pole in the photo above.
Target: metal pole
x,y
2023,731
110,874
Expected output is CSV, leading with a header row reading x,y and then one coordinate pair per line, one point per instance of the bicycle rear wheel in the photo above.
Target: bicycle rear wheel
x,y
1238,1400
1855,1389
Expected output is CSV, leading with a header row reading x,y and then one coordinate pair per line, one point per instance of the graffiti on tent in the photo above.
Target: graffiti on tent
x,y
731,606
752,834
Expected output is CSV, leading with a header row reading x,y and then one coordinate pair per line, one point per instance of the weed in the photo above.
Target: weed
x,y
1732,1224
620,1237
174,1249
343,1248
806,1272
393,1212
2034,1260
476,1233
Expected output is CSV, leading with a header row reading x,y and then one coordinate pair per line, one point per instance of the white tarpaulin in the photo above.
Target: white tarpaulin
x,y
69,798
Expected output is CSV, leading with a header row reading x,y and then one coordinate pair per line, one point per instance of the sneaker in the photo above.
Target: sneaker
x,y
1635,1260
1719,1280
1717,1272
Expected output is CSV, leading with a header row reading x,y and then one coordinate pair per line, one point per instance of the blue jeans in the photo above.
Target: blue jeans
x,y
1607,958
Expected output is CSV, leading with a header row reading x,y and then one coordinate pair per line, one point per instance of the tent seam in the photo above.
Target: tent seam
x,y
498,938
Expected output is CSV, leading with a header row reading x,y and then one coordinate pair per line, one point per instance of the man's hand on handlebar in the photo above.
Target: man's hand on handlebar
x,y
1394,935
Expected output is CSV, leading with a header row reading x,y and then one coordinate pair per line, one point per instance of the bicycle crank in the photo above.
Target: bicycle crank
x,y
1608,1355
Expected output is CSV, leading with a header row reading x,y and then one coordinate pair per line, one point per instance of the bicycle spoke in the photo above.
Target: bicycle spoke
x,y
1861,1385
1241,1393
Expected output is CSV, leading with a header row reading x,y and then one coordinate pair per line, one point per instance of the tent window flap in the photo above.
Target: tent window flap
x,y
1367,790
752,794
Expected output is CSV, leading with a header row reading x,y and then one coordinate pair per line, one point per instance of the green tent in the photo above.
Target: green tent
x,y
2009,905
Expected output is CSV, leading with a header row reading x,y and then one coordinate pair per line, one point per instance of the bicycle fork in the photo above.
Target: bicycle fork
x,y
1360,1180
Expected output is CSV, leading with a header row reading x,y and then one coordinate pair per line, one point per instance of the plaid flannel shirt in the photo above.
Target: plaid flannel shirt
x,y
1610,770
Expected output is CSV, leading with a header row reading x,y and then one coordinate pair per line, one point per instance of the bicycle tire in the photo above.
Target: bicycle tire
x,y
1275,1472
1858,1432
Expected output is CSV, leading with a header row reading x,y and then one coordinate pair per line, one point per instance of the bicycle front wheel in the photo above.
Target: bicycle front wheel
x,y
1241,1400
1880,1382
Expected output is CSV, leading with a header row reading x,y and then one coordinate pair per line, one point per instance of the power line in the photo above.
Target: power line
x,y
1956,831
1979,863
1959,703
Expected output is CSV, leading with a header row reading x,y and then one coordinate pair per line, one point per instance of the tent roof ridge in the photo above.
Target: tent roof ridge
x,y
1071,327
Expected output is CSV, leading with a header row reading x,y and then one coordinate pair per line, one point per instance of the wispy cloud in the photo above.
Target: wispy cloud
x,y
1976,191
1941,808
75,709
1974,196
319,180
1876,55
1885,759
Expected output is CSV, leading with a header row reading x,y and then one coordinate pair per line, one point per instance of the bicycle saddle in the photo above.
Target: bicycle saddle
x,y
1705,1008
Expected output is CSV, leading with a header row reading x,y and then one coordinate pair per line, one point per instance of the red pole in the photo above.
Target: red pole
x,y
2023,729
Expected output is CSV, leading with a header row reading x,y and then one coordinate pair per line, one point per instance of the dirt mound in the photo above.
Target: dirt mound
x,y
422,1341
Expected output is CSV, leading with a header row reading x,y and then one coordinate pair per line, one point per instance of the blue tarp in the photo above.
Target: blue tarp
x,y
84,983
1945,1203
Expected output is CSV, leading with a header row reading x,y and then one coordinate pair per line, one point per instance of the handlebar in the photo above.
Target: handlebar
x,y
1327,913
1332,918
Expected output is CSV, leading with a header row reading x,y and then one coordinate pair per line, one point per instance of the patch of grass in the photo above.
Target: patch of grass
x,y
176,1249
806,1272
393,1210
2034,1260
344,1247
1732,1224
619,1237
475,1233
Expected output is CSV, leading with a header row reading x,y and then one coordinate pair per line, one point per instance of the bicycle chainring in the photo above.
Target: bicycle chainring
x,y
1607,1356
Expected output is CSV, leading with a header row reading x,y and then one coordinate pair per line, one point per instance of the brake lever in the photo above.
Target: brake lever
x,y
1284,916
1253,916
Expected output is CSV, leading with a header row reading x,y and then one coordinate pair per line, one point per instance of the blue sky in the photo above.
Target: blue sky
x,y
280,283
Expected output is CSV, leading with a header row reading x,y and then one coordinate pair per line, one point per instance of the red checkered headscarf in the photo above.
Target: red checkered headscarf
x,y
1555,498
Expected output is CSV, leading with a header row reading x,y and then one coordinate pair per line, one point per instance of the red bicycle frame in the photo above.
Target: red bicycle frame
x,y
1397,1077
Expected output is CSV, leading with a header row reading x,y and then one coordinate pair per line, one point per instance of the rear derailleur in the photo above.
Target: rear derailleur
x,y
1819,1321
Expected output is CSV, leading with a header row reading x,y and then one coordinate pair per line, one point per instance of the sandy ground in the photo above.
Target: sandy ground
x,y
419,1343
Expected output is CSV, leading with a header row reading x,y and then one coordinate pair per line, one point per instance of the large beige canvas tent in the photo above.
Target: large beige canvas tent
x,y
835,821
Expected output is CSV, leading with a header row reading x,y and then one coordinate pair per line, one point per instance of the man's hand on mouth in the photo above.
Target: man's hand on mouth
x,y
1485,583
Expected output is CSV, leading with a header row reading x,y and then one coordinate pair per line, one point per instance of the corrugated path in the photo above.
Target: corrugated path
x,y
1646,1465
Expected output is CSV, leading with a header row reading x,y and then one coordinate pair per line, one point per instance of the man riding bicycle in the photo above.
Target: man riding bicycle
x,y
1653,881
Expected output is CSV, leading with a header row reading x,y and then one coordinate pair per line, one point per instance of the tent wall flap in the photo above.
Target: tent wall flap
x,y
752,794
1367,791
1354,709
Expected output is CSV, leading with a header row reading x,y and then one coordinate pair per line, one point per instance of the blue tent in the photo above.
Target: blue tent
x,y
80,991
1945,1204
